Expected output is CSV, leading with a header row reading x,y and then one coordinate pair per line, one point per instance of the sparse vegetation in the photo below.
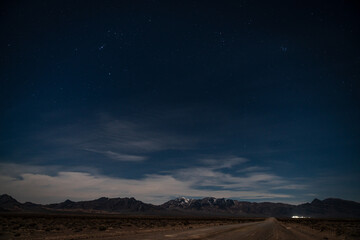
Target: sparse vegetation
x,y
346,228
36,226
102,228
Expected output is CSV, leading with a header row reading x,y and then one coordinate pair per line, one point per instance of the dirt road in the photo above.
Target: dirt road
x,y
266,230
270,229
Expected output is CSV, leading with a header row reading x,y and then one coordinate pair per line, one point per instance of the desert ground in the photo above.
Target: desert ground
x,y
111,227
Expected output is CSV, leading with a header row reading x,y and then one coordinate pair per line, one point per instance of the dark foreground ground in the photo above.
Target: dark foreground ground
x,y
65,226
341,228
72,226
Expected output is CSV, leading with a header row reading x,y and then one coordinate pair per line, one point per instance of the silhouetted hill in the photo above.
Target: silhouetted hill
x,y
9,203
106,205
330,207
230,207
327,208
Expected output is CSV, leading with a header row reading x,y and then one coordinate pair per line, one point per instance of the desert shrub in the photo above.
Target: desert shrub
x,y
339,231
32,225
17,227
102,228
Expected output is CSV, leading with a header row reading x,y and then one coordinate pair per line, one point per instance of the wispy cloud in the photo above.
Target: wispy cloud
x,y
34,183
291,186
223,161
212,178
139,137
118,156
253,169
115,139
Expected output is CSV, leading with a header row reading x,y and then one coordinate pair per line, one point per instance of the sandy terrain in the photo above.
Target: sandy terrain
x,y
136,228
269,229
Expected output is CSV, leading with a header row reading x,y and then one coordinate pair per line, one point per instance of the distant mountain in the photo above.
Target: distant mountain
x,y
230,207
329,207
209,206
9,204
119,205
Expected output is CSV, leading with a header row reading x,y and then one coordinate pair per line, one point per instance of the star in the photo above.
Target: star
x,y
102,47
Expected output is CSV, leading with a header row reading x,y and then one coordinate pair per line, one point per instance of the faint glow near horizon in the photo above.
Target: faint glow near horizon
x,y
299,217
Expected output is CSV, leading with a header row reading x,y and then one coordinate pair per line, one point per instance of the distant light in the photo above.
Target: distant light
x,y
299,217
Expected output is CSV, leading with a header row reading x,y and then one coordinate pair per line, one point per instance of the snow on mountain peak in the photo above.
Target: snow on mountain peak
x,y
183,200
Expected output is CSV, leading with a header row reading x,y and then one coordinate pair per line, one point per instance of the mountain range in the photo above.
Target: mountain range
x,y
330,207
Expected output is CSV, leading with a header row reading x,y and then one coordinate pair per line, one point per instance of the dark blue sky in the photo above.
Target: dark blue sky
x,y
250,100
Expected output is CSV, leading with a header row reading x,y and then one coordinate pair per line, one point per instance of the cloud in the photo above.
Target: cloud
x,y
79,186
119,156
115,139
35,184
253,169
212,178
291,186
223,161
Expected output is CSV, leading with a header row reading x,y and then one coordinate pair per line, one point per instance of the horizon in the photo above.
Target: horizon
x,y
159,204
158,99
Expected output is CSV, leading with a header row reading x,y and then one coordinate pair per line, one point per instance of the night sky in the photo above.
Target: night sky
x,y
249,100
